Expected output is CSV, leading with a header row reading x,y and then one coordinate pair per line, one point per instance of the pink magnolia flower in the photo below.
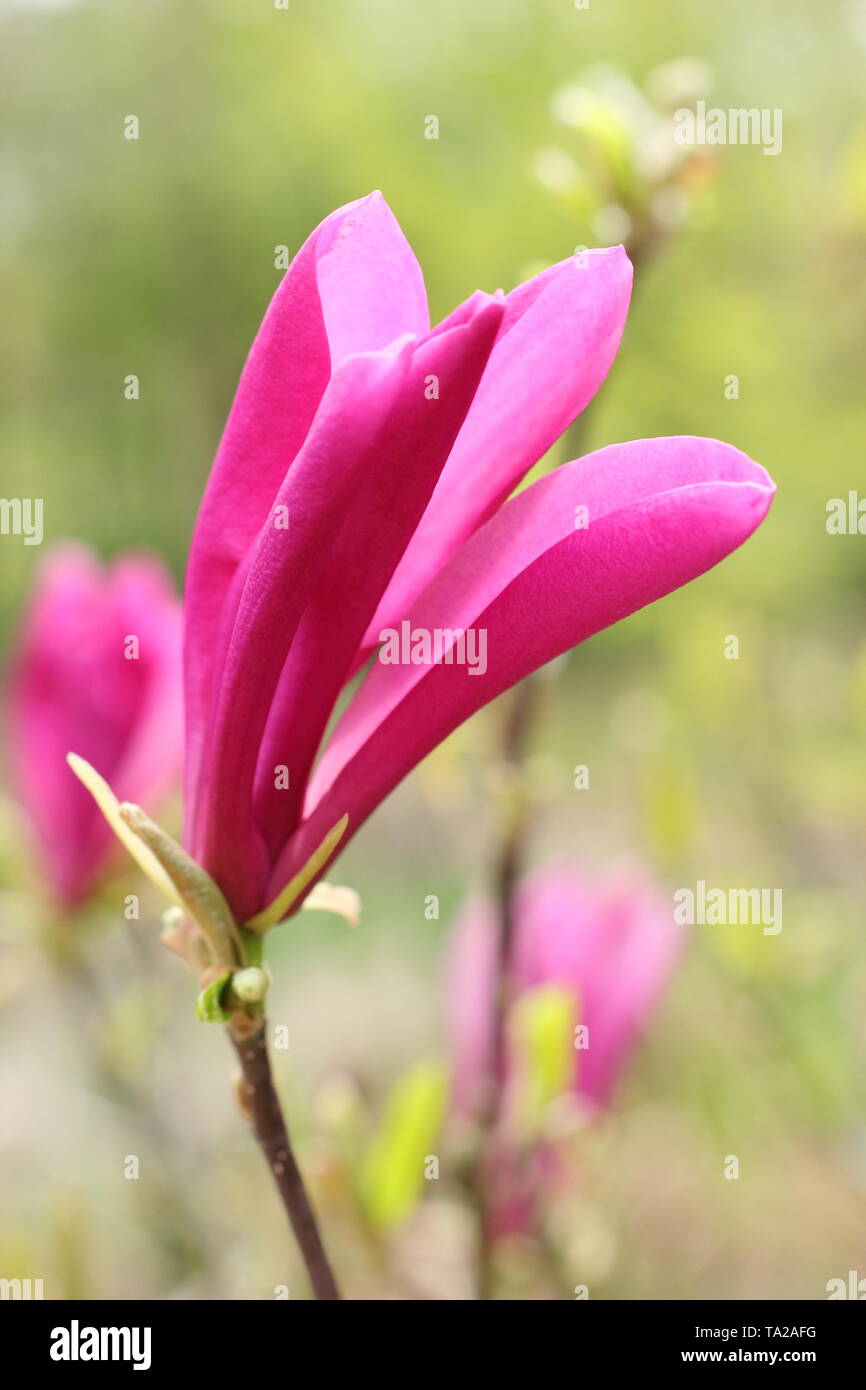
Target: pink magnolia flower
x,y
612,949
358,485
98,669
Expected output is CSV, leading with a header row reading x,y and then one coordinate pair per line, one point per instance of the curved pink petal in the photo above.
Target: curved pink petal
x,y
558,338
440,382
76,685
354,286
661,512
352,497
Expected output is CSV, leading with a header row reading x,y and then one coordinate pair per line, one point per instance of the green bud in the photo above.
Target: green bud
x,y
250,984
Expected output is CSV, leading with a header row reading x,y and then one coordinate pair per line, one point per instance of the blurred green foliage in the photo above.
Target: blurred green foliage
x,y
156,257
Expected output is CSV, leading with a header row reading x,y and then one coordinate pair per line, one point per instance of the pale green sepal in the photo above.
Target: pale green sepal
x,y
199,896
109,806
295,887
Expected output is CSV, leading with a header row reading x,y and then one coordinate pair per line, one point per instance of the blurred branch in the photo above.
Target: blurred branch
x,y
262,1105
179,1233
611,123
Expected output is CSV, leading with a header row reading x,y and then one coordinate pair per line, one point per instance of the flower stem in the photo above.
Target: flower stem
x,y
509,866
263,1106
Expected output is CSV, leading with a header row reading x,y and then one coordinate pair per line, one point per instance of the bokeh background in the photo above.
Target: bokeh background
x,y
156,257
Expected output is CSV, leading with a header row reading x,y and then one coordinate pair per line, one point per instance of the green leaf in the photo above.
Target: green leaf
x,y
393,1171
208,1006
542,1033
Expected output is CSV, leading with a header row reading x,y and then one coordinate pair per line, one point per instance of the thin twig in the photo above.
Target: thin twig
x,y
173,1219
265,1112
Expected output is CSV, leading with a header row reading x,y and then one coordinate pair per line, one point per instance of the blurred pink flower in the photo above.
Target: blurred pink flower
x,y
359,483
98,669
613,948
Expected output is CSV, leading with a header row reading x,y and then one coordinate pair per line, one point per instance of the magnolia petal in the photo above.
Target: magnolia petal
x,y
536,583
354,286
70,687
386,505
556,343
